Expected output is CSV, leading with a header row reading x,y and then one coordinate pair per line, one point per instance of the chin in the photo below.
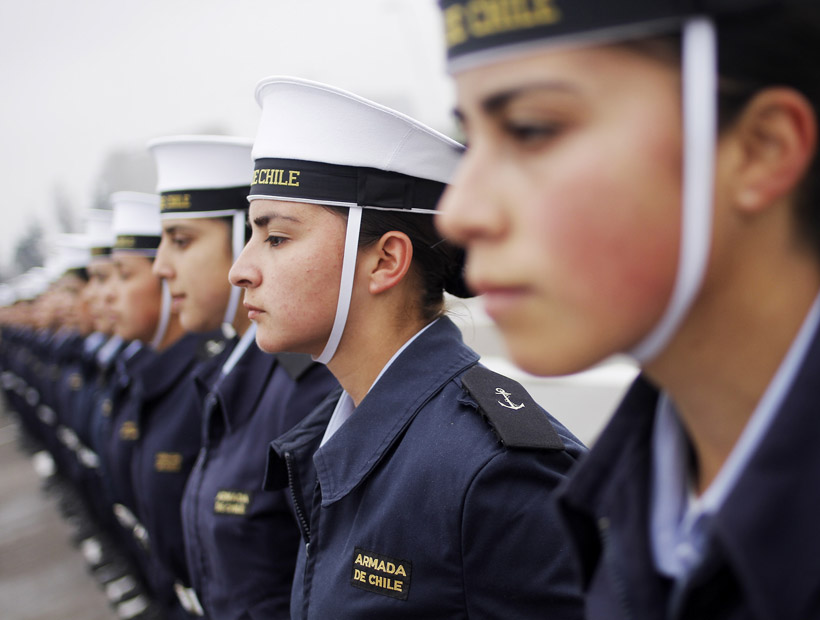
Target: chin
x,y
546,359
197,325
266,344
273,344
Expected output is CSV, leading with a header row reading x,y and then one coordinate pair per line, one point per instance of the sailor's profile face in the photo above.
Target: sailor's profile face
x,y
136,299
568,199
194,257
291,270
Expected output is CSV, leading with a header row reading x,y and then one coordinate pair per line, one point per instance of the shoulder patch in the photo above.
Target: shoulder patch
x,y
295,364
514,416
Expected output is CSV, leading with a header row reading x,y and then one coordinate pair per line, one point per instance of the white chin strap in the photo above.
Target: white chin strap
x,y
354,220
237,243
248,338
164,316
700,135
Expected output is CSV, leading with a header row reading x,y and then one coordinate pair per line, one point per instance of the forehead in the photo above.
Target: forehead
x,y
122,259
194,224
591,71
263,211
100,263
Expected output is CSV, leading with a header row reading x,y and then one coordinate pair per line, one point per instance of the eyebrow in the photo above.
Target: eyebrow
x,y
495,103
172,230
263,220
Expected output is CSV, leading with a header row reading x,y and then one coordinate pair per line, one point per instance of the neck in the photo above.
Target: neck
x,y
367,345
716,370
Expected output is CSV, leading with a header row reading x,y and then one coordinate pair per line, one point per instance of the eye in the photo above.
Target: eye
x,y
275,241
180,241
532,133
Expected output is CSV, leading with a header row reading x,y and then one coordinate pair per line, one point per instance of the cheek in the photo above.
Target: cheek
x,y
610,225
142,299
206,278
307,289
301,293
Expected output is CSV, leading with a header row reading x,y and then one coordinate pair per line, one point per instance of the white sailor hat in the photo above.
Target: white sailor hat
x,y
7,295
205,177
136,222
71,252
202,176
31,284
98,231
324,145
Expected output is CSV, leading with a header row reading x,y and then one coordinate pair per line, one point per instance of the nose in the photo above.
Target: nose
x,y
244,272
108,292
162,267
469,209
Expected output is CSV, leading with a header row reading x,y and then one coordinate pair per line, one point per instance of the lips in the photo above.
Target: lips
x,y
253,311
501,300
176,302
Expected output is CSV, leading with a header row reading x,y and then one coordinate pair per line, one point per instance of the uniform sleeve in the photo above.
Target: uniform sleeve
x,y
516,556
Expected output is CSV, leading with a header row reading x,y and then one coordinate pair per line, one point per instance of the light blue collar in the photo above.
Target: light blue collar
x,y
678,519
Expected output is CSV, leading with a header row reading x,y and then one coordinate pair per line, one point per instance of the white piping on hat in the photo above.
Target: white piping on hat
x,y
700,132
341,203
195,215
164,316
354,220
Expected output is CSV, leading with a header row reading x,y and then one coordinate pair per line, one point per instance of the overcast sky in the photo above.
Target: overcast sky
x,y
84,78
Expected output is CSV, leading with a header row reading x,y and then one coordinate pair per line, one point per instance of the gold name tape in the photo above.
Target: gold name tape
x,y
75,381
175,201
129,431
483,18
380,574
168,462
124,242
276,176
231,502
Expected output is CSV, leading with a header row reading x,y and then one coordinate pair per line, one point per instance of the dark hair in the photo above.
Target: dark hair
x,y
229,221
766,48
438,264
80,272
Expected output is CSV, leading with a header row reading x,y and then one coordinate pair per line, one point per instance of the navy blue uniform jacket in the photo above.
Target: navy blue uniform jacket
x,y
415,509
762,561
168,423
241,541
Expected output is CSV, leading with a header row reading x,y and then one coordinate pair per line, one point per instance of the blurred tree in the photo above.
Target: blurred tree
x,y
124,170
65,215
28,251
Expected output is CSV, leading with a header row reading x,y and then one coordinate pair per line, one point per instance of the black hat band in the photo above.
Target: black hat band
x,y
474,26
204,200
308,181
137,242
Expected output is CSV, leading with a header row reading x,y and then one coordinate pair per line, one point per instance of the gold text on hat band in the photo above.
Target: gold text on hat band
x,y
482,18
175,202
276,176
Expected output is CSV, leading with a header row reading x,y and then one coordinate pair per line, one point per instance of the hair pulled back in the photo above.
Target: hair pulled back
x,y
767,48
438,264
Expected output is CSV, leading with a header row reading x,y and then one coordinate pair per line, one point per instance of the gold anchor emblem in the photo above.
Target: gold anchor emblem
x,y
506,395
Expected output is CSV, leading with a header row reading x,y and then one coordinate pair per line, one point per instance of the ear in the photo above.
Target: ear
x,y
391,256
777,134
